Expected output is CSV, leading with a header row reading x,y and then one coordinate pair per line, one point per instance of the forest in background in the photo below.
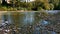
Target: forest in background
x,y
36,5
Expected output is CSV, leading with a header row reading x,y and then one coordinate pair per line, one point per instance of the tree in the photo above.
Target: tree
x,y
43,4
55,3
4,2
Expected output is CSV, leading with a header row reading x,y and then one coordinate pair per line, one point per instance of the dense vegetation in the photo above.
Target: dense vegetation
x,y
35,5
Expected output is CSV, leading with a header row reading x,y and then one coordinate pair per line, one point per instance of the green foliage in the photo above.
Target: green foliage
x,y
40,8
43,4
55,3
35,5
51,6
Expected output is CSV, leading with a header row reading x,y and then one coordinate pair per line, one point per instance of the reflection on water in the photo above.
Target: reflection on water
x,y
43,22
36,30
52,11
52,32
29,18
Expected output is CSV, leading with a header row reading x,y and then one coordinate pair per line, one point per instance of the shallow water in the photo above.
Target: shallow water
x,y
29,18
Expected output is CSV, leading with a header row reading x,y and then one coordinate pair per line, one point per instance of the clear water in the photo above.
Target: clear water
x,y
28,18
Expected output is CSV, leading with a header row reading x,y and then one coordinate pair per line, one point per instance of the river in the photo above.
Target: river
x,y
29,18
